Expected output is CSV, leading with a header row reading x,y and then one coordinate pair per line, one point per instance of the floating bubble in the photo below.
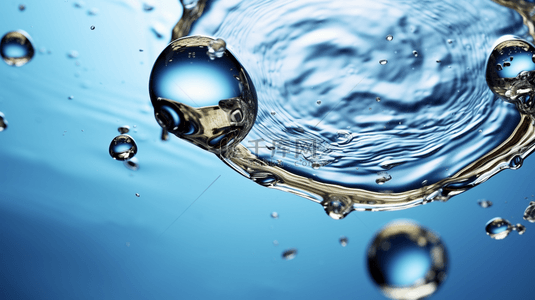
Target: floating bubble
x,y
520,229
123,129
22,7
16,48
529,213
378,99
383,61
450,41
407,261
123,147
289,254
216,49
137,195
210,103
273,113
274,215
3,122
275,243
93,11
131,164
389,37
318,102
498,228
415,53
92,27
343,241
70,97
73,54
147,7
484,203
79,4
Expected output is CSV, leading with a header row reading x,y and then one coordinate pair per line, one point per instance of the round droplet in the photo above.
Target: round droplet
x,y
16,48
383,61
378,99
498,228
131,164
318,102
123,129
516,162
289,254
407,261
3,122
185,87
343,241
216,49
137,195
389,37
274,215
415,53
92,27
520,229
484,203
123,147
529,213
22,7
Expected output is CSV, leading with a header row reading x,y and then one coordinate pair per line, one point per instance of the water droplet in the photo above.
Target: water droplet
x,y
529,213
378,99
407,261
274,215
131,164
70,97
216,49
516,162
383,61
335,208
520,229
73,54
123,129
289,254
318,102
415,53
137,195
147,7
16,48
389,37
3,122
343,241
22,7
92,27
498,228
484,203
123,147
383,177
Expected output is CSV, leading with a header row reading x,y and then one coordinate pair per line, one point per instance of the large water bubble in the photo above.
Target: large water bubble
x,y
407,261
208,102
123,147
16,48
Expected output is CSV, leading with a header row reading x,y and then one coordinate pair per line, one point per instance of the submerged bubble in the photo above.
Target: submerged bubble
x,y
415,53
16,48
274,215
92,27
383,61
378,99
22,7
70,97
318,102
137,195
147,7
123,147
498,228
484,203
3,122
520,229
407,261
343,241
216,49
289,254
123,129
73,54
131,164
529,213
389,37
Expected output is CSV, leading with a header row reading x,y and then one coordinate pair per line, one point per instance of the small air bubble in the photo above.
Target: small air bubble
x,y
273,113
137,195
131,164
318,102
378,99
415,53
383,61
92,27
289,254
123,129
22,7
147,7
484,203
389,37
274,215
123,147
275,243
450,41
93,11
438,61
73,54
343,241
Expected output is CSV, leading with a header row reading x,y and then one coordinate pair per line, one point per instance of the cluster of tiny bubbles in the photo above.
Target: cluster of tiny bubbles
x,y
123,147
132,164
216,49
529,213
343,241
3,122
484,203
275,215
123,129
407,261
498,228
206,101
16,48
289,254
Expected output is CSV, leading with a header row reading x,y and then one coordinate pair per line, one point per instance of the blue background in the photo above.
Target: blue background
x,y
71,226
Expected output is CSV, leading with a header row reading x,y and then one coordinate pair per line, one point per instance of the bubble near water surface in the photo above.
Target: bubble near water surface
x,y
498,228
407,261
123,147
16,48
